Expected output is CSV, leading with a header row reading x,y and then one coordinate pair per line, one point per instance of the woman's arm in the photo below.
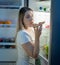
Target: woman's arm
x,y
31,50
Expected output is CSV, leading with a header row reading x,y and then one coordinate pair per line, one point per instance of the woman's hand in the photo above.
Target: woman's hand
x,y
38,29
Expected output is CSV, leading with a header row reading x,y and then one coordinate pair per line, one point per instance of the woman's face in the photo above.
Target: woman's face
x,y
28,19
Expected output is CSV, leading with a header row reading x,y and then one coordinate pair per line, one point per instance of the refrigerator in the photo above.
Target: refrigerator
x,y
8,19
41,10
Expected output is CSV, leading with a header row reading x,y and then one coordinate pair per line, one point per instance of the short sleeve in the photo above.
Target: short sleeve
x,y
23,37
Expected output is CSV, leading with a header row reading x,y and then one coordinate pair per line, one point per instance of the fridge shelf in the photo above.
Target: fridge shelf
x,y
7,25
11,4
9,7
3,43
44,58
7,46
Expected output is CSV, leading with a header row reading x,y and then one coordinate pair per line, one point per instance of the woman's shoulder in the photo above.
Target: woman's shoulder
x,y
22,32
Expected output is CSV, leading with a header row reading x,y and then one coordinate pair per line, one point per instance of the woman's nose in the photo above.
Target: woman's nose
x,y
31,18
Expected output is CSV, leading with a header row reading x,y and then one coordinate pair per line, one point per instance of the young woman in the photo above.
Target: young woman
x,y
28,35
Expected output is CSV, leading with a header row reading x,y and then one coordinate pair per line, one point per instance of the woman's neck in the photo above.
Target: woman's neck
x,y
29,29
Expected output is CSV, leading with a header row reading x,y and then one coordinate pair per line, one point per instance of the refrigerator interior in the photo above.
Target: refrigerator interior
x,y
9,30
42,13
8,19
45,36
8,15
8,50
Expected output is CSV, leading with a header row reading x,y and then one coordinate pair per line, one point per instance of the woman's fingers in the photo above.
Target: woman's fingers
x,y
37,29
35,25
40,28
40,23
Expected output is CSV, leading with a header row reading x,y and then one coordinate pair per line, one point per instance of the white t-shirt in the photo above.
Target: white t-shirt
x,y
22,38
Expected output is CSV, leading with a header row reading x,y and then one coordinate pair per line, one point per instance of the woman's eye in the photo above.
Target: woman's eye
x,y
28,17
